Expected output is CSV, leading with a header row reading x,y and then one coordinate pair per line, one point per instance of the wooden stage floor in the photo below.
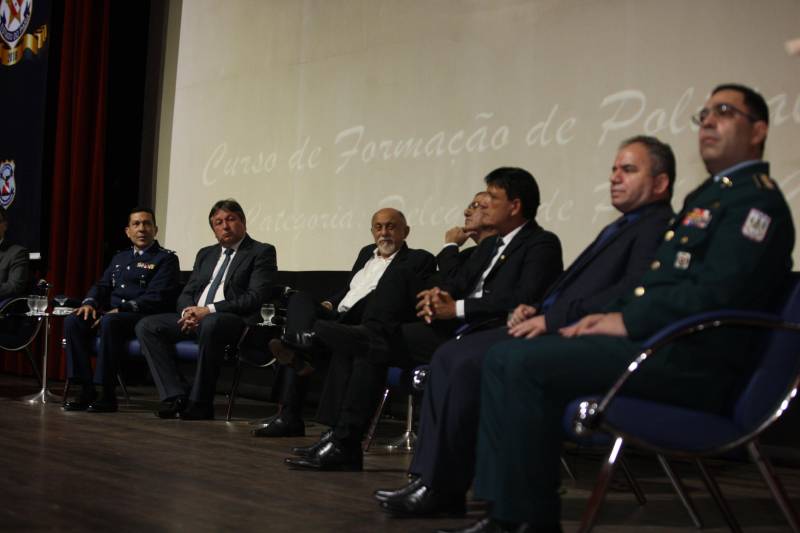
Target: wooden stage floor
x,y
130,471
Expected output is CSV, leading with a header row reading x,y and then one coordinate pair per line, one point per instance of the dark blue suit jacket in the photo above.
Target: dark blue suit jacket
x,y
602,274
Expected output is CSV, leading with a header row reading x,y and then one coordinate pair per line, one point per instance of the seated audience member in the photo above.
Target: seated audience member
x,y
729,247
139,281
389,252
14,267
640,187
228,284
451,258
515,266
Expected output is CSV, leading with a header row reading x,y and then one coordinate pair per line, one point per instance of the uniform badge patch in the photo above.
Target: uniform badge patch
x,y
756,225
697,218
148,266
8,185
682,260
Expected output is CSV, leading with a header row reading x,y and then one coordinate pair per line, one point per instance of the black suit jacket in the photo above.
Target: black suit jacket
x,y
14,270
419,263
450,260
603,273
247,284
528,266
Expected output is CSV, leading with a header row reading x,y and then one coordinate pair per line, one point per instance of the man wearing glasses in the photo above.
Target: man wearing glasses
x,y
729,247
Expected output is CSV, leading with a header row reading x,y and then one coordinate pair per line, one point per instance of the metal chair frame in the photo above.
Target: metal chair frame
x,y
590,418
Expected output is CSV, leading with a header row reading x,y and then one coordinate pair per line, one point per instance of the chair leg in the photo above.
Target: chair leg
x,y
775,486
237,374
567,468
680,490
124,388
719,499
406,441
641,499
66,389
367,442
600,488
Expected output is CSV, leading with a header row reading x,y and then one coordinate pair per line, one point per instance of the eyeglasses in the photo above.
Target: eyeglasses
x,y
723,110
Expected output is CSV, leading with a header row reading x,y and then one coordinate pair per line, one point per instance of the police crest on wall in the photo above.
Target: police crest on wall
x,y
8,187
15,16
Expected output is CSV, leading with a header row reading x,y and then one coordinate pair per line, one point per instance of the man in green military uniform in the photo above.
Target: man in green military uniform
x,y
730,246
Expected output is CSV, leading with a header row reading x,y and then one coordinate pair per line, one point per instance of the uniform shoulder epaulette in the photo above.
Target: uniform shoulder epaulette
x,y
762,181
167,250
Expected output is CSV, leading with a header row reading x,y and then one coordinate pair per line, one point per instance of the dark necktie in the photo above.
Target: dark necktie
x,y
212,290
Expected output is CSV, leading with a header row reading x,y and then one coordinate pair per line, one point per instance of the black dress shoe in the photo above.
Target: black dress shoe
x,y
171,409
82,402
196,411
103,405
76,405
280,427
332,456
425,501
384,494
308,451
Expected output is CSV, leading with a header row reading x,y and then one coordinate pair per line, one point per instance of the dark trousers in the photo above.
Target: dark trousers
x,y
158,335
444,454
357,372
114,330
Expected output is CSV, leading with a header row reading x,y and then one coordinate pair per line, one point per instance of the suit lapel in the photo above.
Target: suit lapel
x,y
527,230
239,257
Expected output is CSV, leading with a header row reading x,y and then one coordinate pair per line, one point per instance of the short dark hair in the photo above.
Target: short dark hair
x,y
518,184
756,105
230,205
3,214
662,159
141,209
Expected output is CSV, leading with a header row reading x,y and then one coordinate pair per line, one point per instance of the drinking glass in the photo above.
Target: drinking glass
x,y
41,305
267,312
32,301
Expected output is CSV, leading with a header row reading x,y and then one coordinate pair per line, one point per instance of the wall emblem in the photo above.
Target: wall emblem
x,y
8,186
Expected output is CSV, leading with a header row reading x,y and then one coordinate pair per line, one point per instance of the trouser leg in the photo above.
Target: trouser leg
x,y
216,331
80,337
116,329
157,335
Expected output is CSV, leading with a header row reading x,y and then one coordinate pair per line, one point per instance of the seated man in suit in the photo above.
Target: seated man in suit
x,y
228,284
389,252
451,257
14,267
139,281
640,186
515,266
729,247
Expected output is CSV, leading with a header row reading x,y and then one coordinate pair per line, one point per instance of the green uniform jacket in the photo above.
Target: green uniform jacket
x,y
729,247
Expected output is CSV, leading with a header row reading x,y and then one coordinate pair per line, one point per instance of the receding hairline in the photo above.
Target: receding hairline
x,y
393,211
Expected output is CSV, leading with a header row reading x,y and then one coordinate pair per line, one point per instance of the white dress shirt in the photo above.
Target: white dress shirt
x,y
220,294
365,280
477,292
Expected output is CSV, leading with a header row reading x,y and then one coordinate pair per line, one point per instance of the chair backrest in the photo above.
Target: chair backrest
x,y
777,370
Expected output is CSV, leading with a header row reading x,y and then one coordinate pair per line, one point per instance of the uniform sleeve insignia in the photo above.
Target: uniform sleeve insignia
x,y
756,225
697,218
682,260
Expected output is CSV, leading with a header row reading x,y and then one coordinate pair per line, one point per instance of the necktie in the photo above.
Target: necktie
x,y
212,290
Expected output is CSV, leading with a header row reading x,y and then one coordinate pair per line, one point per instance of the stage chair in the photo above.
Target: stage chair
x,y
680,432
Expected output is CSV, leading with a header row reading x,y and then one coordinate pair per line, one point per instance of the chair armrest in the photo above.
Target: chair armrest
x,y
590,414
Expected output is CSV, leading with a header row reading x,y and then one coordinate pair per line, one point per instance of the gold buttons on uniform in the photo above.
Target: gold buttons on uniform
x,y
638,291
655,265
726,181
669,235
684,239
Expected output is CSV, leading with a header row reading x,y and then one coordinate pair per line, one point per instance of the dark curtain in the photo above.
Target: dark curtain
x,y
76,206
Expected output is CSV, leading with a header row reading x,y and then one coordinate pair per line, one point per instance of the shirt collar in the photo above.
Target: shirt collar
x,y
737,167
377,255
511,234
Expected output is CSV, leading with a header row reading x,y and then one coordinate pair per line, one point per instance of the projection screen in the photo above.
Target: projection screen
x,y
314,113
